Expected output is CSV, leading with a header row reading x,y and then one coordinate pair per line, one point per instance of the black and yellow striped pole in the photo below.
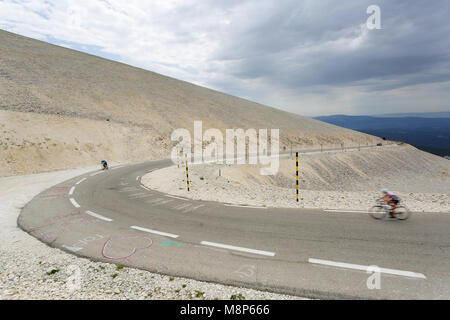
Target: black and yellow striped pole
x,y
187,173
296,172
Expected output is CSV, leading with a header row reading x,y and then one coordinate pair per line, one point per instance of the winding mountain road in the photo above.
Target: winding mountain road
x,y
109,216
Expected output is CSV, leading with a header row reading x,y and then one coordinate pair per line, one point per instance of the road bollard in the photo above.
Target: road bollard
x,y
187,173
296,172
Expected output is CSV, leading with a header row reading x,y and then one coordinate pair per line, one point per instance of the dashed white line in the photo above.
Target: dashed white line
x,y
98,216
155,201
73,249
193,208
241,206
80,181
226,246
128,189
170,235
158,201
164,202
182,206
75,204
168,195
365,268
71,191
137,194
96,173
141,196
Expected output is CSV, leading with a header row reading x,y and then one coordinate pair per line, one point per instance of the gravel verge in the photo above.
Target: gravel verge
x,y
32,270
408,171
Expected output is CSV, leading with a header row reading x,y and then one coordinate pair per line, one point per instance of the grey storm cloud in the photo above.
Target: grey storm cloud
x,y
305,56
294,45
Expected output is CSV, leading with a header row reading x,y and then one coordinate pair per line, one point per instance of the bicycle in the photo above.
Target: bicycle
x,y
381,210
104,165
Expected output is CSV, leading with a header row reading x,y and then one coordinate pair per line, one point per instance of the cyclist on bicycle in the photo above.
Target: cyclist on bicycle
x,y
390,199
104,164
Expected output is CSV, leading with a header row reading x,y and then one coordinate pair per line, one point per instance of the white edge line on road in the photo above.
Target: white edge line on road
x,y
365,268
240,206
71,191
95,173
155,232
80,181
141,196
117,167
73,249
351,211
179,207
98,216
226,246
137,194
168,195
75,204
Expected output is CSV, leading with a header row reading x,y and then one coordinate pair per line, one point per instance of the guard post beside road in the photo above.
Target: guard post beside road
x,y
296,172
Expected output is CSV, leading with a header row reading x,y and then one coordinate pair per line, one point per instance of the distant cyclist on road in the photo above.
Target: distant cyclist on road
x,y
390,199
104,164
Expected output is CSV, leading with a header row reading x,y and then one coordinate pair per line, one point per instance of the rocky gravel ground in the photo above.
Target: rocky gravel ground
x,y
29,269
421,187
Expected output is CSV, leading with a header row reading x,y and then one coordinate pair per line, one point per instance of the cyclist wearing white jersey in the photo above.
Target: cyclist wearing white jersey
x,y
391,199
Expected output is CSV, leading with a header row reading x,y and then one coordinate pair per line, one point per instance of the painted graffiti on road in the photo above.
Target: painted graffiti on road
x,y
54,193
64,222
81,244
170,243
55,225
117,248
246,271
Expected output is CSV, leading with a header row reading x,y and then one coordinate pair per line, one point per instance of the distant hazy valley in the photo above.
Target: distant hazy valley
x,y
427,131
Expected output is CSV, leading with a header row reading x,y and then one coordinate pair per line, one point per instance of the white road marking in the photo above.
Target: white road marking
x,y
75,204
117,167
142,186
141,196
193,208
155,232
138,194
168,195
71,191
226,246
137,178
80,181
73,249
128,189
352,211
153,201
163,202
237,205
96,173
98,216
182,206
365,268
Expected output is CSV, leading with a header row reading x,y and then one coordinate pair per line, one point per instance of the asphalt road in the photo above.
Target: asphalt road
x,y
109,216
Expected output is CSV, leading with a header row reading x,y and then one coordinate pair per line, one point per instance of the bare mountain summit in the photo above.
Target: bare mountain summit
x,y
60,108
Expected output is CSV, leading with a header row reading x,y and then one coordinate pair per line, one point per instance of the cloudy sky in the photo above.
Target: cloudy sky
x,y
312,57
